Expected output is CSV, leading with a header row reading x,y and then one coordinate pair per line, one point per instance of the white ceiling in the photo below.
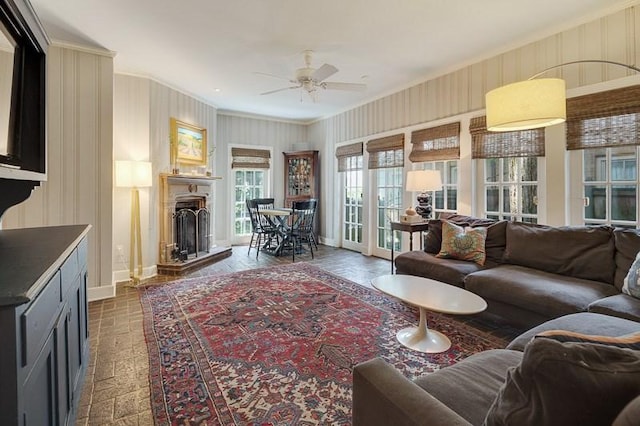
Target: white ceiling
x,y
198,46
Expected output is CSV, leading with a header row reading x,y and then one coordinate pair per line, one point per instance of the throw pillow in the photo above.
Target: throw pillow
x,y
463,243
569,379
632,280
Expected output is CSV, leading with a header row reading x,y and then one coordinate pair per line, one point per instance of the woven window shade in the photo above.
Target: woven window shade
x,y
436,143
386,152
343,154
605,119
486,144
246,158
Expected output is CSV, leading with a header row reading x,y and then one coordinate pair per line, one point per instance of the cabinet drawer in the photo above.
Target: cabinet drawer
x,y
70,270
37,320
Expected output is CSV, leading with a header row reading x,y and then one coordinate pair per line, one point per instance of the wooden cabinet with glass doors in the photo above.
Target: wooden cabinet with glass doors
x,y
301,176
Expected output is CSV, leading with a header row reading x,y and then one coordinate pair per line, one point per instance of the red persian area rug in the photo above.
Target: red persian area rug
x,y
276,346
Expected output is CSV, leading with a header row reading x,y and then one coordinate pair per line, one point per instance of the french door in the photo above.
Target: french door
x,y
248,184
352,205
389,207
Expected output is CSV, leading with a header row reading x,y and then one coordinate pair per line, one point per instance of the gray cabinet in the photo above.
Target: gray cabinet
x,y
43,324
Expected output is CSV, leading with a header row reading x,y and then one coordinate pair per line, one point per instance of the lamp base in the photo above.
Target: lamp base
x,y
424,208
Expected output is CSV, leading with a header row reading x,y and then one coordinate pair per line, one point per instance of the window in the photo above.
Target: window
x,y
447,199
511,189
386,157
439,148
250,178
510,170
605,126
353,200
350,161
389,205
610,182
249,184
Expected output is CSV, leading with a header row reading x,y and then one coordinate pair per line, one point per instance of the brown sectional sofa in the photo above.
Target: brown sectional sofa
x,y
534,273
565,390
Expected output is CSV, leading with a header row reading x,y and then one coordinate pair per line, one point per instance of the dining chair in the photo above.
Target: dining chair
x,y
262,231
301,231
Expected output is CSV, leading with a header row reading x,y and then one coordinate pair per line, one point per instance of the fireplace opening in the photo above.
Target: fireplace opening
x,y
191,229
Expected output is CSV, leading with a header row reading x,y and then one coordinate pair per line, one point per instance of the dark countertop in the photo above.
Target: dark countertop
x,y
29,257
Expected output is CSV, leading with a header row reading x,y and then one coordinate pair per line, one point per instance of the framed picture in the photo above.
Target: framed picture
x,y
189,143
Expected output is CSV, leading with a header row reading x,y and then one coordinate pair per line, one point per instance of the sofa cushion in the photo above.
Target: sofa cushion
x,y
631,285
630,414
627,242
580,251
583,322
470,387
494,244
620,305
463,243
567,383
421,264
538,291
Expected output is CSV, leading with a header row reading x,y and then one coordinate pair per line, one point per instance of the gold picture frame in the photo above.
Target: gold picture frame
x,y
188,143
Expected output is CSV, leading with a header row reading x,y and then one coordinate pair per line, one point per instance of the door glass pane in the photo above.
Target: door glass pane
x,y
623,202
493,199
595,165
353,202
623,163
248,184
439,200
452,198
597,208
529,169
511,170
452,174
529,199
389,204
491,169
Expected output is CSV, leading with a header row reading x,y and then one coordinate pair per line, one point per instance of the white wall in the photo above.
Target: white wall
x,y
80,152
143,109
461,92
253,131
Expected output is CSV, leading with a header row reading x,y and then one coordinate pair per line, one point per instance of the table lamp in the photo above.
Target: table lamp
x,y
422,181
134,175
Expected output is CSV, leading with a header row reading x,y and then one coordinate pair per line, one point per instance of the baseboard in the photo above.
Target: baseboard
x,y
328,241
102,292
123,275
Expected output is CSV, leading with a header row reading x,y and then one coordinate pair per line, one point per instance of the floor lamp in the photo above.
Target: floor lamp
x,y
134,175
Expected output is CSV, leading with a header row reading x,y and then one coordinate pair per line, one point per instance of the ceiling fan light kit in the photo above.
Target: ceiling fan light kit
x,y
310,79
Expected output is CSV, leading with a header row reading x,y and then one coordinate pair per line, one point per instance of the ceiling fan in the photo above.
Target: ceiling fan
x,y
311,79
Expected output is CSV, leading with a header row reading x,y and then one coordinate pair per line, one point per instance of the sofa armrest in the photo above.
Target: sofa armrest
x,y
383,396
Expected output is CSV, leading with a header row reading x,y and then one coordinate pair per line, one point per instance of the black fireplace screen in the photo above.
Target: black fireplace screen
x,y
191,230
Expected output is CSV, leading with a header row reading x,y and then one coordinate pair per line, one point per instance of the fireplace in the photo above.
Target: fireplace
x,y
186,224
191,226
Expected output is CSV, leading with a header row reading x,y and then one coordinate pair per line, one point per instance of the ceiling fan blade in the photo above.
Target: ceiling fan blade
x,y
325,71
356,87
275,76
280,90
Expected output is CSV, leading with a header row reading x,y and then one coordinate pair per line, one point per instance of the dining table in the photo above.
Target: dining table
x,y
278,218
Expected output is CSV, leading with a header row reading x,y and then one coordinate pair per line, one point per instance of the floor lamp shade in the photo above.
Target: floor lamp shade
x,y
526,104
133,174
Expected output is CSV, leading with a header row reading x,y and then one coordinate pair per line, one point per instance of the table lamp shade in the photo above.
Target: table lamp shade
x,y
424,180
133,174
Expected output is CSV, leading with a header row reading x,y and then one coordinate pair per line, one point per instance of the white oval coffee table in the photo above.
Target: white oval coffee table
x,y
428,294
